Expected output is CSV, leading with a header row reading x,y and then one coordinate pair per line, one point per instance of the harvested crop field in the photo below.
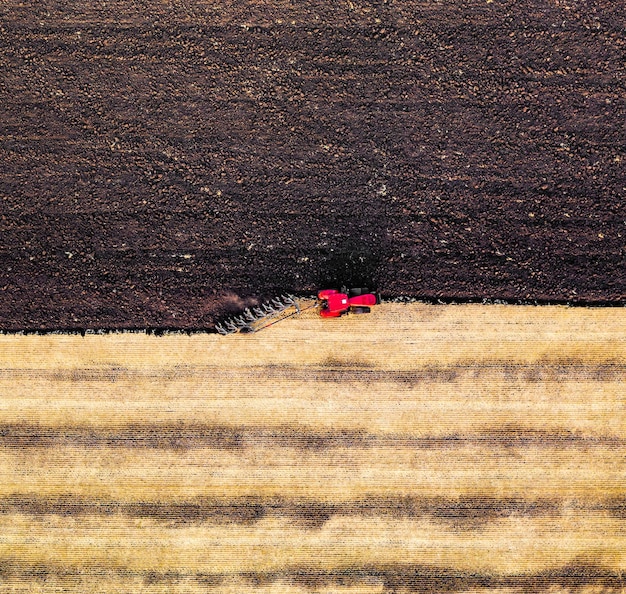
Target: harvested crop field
x,y
160,161
422,448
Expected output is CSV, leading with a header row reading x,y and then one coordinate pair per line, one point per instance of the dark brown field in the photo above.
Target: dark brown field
x,y
160,162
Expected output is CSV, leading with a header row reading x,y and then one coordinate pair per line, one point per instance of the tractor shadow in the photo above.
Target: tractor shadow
x,y
352,266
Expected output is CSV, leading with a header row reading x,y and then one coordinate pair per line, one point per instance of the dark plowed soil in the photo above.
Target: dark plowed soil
x,y
162,163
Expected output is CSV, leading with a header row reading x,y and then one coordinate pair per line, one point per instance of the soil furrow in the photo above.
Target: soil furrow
x,y
336,371
468,513
192,436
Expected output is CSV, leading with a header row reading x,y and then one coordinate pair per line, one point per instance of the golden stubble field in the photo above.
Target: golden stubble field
x,y
423,448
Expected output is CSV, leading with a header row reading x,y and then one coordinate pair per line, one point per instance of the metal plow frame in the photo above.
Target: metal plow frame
x,y
269,313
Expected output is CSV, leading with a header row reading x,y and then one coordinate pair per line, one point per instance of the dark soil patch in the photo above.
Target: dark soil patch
x,y
161,164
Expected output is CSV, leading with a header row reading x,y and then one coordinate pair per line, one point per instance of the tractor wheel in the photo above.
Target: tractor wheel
x,y
361,310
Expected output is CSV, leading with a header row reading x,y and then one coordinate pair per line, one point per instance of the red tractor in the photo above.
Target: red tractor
x,y
337,303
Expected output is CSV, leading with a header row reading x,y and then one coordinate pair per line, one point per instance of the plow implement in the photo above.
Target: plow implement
x,y
269,313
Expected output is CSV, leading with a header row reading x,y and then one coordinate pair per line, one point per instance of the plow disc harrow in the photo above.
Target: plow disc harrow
x,y
256,318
